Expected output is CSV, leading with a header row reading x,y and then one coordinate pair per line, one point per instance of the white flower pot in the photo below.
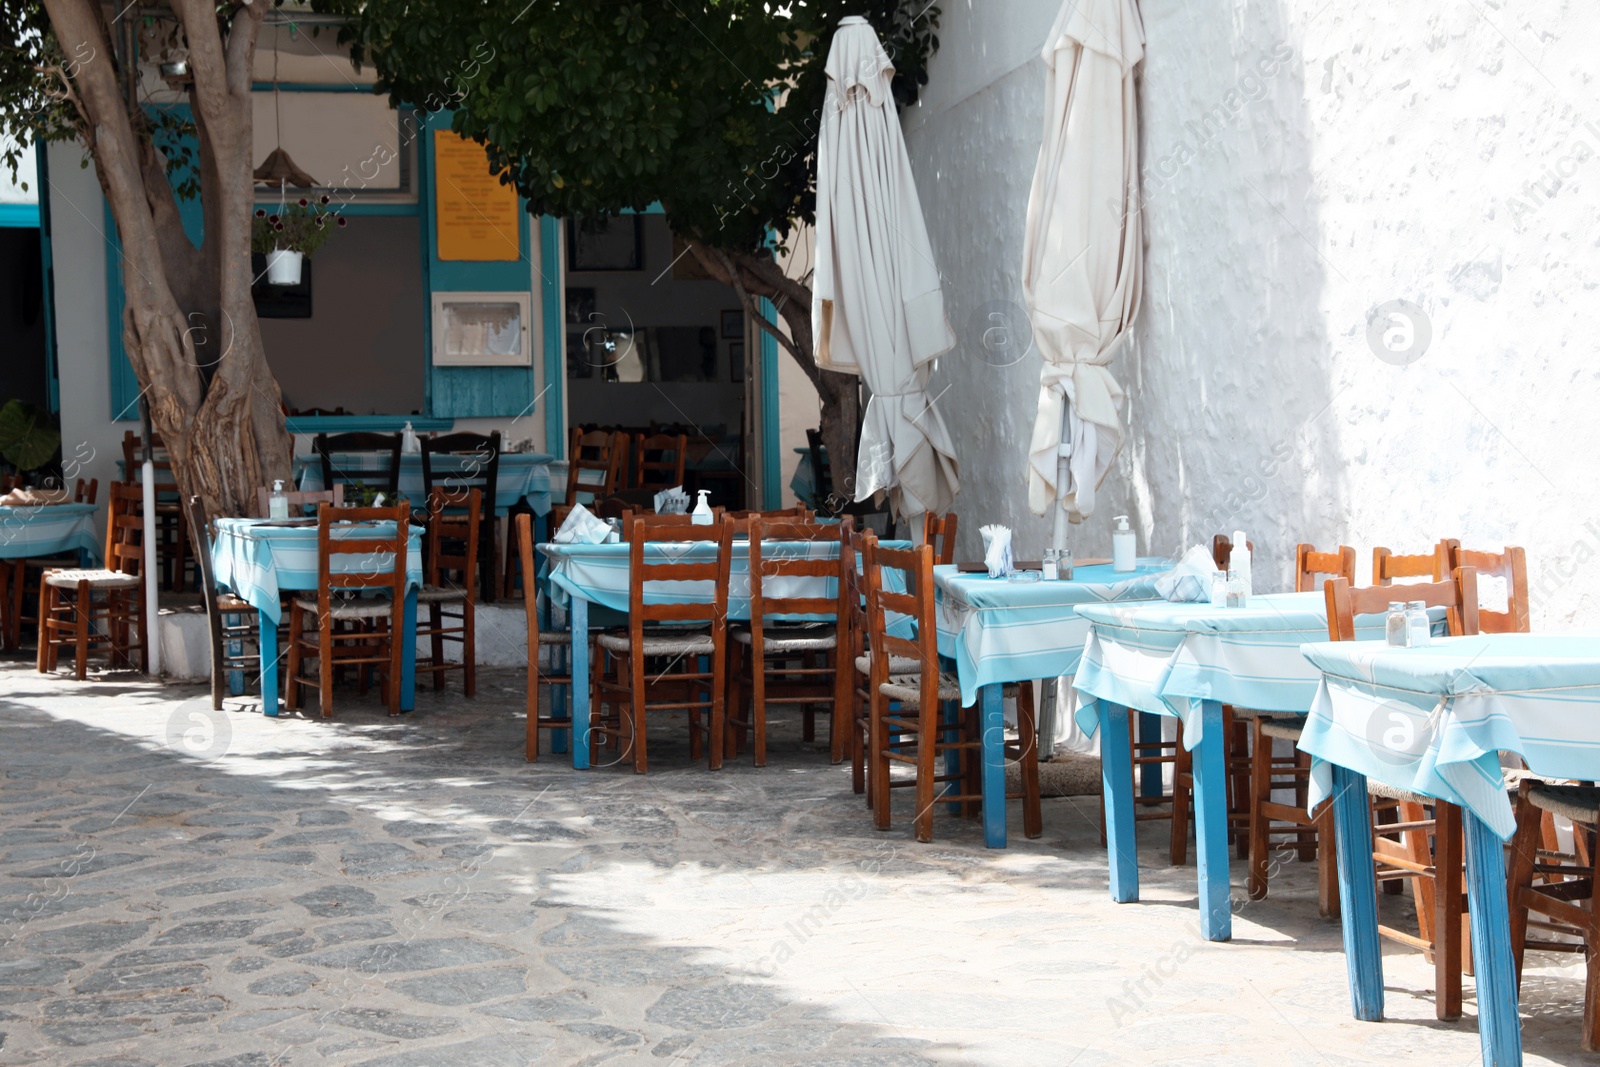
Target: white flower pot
x,y
283,267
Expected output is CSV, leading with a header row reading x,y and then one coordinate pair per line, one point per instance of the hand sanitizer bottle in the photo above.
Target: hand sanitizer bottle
x,y
277,503
409,443
701,516
1240,561
1123,546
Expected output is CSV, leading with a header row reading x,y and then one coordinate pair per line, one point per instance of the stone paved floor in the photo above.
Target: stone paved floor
x,y
179,888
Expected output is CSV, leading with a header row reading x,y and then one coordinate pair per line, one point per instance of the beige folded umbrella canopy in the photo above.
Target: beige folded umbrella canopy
x,y
1082,250
877,308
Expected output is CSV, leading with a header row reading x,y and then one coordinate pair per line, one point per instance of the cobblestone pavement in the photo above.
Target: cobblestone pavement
x,y
182,888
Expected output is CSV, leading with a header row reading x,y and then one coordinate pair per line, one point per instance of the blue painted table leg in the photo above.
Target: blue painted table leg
x,y
578,617
1116,786
408,655
992,723
948,713
268,639
560,660
1150,784
235,649
1499,1026
1358,893
1211,825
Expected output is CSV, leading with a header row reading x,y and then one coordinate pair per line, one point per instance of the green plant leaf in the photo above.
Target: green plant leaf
x,y
27,438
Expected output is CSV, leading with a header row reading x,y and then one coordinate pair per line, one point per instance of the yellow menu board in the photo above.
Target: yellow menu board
x,y
476,216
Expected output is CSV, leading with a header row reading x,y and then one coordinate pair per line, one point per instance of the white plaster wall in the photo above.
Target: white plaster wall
x,y
1439,154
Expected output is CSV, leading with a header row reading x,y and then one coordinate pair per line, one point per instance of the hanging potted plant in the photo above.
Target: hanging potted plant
x,y
287,236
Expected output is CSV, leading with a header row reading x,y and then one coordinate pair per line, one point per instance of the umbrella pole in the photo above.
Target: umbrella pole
x,y
150,564
1063,461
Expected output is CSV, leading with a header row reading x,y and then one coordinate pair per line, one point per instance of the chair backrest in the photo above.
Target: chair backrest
x,y
916,572
629,516
1434,566
386,478
940,532
300,499
160,460
768,566
1510,566
794,514
453,519
1222,551
474,461
200,537
658,460
86,492
1458,595
368,573
1308,563
125,529
646,567
594,465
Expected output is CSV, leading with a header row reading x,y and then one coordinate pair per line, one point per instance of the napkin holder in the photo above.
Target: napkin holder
x,y
672,501
997,550
1190,581
583,527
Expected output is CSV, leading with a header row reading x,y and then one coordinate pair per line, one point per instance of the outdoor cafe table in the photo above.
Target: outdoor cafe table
x,y
578,575
48,530
260,558
1186,660
997,630
521,476
1433,721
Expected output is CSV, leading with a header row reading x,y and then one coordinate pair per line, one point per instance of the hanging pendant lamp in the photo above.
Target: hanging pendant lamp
x,y
279,168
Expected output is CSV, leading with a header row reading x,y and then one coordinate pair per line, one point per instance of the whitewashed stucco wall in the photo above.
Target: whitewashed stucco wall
x,y
1306,164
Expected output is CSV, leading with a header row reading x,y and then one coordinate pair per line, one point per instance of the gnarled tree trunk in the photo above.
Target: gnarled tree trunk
x,y
189,324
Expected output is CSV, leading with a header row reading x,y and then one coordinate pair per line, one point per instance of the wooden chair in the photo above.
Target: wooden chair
x,y
658,460
373,640
1559,889
1309,564
940,532
689,670
95,607
385,479
171,536
447,591
235,644
559,678
914,718
594,469
19,578
1511,567
1432,566
781,662
299,499
1222,551
1402,850
473,462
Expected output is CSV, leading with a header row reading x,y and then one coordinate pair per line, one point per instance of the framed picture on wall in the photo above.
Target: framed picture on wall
x,y
733,324
613,243
736,361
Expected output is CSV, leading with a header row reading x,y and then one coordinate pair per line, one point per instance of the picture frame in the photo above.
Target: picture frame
x,y
733,324
736,361
613,244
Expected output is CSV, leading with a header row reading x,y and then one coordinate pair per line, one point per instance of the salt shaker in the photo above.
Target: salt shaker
x,y
1064,565
615,536
1236,594
1219,590
1394,630
1048,566
1418,629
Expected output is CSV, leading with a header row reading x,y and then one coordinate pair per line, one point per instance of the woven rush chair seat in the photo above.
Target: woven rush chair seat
x,y
909,687
1388,792
1580,803
96,577
435,594
559,637
661,644
363,608
897,664
1283,729
817,638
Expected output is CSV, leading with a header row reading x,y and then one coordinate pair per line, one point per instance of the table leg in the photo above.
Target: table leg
x,y
1150,784
408,653
235,648
1499,1026
1116,786
1358,893
268,641
1211,824
993,724
950,712
578,617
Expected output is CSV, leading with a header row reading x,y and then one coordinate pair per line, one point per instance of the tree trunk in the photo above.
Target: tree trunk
x,y
755,276
189,324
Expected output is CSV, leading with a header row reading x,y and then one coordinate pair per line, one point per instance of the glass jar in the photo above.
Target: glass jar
x,y
1048,566
1237,597
1394,629
1418,630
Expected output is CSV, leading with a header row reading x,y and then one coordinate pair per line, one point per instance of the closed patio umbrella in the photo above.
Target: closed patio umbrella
x,y
878,311
1082,251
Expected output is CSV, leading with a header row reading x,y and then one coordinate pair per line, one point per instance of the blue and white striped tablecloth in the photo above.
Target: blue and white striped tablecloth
x,y
1434,720
998,630
1166,658
599,573
258,560
48,530
521,476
